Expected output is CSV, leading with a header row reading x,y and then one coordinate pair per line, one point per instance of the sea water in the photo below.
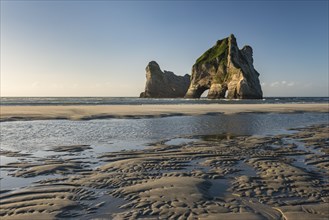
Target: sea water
x,y
119,134
146,101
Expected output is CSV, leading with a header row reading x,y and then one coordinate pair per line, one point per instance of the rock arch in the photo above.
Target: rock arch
x,y
224,68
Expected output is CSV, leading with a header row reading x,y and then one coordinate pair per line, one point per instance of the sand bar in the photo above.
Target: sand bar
x,y
87,112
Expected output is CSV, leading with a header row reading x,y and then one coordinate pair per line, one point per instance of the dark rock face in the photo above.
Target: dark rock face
x,y
164,84
224,69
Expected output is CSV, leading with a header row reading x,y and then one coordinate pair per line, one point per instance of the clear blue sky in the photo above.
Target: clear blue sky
x,y
101,48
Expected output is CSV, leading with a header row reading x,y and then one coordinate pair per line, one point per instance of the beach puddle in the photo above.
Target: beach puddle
x,y
196,165
246,169
299,153
180,141
219,187
218,137
4,160
103,207
9,182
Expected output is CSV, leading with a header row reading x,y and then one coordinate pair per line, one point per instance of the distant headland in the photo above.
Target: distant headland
x,y
224,69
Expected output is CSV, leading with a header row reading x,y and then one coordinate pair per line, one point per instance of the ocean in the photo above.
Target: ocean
x,y
143,101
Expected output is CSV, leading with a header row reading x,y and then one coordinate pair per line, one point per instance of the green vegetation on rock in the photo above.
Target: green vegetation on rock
x,y
217,51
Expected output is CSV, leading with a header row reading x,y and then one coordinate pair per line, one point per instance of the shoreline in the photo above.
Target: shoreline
x,y
88,112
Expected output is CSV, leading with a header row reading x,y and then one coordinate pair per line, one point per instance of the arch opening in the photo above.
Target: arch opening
x,y
226,94
200,91
205,94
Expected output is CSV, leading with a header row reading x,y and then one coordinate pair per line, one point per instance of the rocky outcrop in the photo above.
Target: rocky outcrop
x,y
226,71
164,84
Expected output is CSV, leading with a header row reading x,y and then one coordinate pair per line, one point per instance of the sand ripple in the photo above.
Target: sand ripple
x,y
218,177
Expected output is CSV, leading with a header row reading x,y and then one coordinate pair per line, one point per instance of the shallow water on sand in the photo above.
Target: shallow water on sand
x,y
194,147
118,134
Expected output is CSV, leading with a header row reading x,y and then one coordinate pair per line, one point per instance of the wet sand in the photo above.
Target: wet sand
x,y
85,112
284,176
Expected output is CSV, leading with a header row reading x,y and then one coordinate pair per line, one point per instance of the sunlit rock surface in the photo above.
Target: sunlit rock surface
x,y
226,71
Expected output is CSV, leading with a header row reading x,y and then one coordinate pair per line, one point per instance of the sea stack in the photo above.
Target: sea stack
x,y
226,71
164,84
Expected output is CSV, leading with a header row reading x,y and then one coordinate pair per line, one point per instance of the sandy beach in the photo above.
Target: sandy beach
x,y
279,176
87,112
284,176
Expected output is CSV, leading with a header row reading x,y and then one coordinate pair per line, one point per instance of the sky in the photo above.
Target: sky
x,y
101,48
